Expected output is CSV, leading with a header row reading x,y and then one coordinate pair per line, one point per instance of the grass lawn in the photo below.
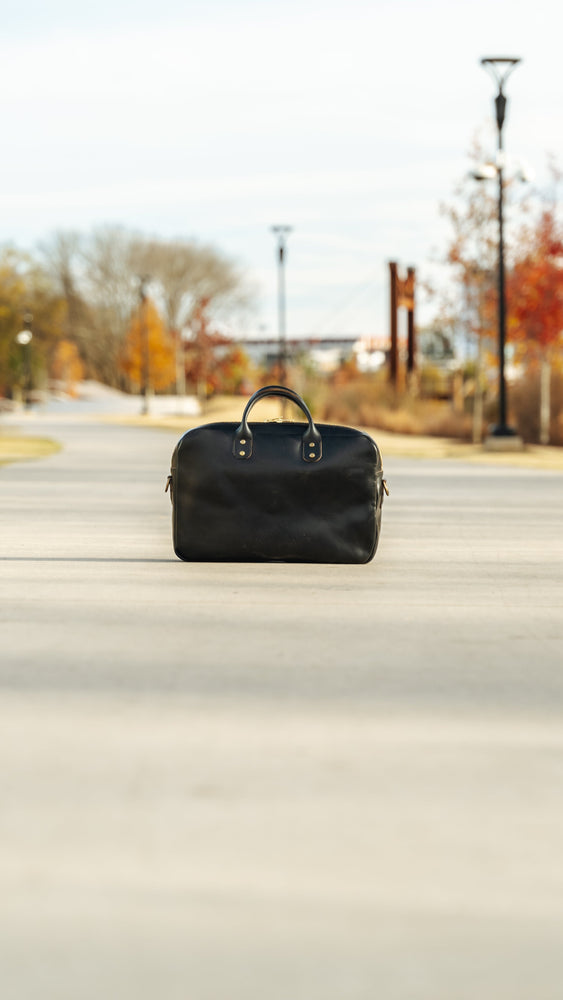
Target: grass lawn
x,y
16,448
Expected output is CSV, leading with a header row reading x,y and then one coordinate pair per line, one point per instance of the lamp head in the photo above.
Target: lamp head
x,y
484,172
500,68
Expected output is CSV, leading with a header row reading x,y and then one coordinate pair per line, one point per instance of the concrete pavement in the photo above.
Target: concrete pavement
x,y
270,782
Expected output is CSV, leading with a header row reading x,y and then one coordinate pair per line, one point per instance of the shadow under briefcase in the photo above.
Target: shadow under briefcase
x,y
276,491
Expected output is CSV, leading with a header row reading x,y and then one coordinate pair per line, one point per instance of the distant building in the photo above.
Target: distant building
x,y
326,353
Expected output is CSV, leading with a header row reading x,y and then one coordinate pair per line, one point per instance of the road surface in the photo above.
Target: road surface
x,y
271,782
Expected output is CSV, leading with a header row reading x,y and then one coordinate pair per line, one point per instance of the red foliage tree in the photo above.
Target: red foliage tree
x,y
535,297
213,363
535,286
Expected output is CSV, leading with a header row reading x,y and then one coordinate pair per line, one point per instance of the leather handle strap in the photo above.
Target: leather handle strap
x,y
312,447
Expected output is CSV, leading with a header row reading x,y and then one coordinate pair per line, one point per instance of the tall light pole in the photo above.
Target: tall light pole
x,y
500,68
144,345
281,232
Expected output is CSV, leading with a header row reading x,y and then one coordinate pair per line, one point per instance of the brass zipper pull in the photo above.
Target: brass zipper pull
x,y
385,487
168,484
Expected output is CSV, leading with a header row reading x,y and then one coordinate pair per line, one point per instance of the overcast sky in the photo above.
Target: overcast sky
x,y
348,120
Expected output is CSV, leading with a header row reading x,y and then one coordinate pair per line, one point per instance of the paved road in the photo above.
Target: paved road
x,y
240,782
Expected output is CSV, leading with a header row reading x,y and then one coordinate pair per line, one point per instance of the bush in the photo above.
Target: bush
x,y
370,401
367,400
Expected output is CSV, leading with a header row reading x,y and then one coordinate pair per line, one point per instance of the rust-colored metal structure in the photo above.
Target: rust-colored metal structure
x,y
402,294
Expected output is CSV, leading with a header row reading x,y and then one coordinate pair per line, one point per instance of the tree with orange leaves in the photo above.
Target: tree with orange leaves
x,y
66,366
147,358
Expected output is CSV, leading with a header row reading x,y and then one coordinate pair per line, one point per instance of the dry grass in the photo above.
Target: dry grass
x,y
373,403
16,448
422,447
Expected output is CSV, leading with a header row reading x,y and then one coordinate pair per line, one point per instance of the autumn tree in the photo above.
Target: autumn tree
x,y
27,290
468,302
535,293
234,370
213,362
147,356
198,287
66,366
535,286
471,256
12,299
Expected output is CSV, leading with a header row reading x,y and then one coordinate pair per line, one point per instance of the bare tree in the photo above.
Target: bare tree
x,y
101,276
111,287
62,257
186,273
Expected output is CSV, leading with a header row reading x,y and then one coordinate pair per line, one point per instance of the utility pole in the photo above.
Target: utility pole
x,y
145,347
281,232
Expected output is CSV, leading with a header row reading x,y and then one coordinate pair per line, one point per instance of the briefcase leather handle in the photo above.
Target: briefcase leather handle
x,y
312,446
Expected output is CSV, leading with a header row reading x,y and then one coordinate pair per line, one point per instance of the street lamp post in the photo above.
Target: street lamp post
x,y
500,68
145,348
24,337
281,232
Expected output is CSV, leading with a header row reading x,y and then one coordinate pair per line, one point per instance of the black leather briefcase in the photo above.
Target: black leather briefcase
x,y
276,491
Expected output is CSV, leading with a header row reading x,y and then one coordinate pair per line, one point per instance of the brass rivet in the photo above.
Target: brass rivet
x,y
243,440
242,453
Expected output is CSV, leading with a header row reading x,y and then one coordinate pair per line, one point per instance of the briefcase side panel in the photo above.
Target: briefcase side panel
x,y
274,506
